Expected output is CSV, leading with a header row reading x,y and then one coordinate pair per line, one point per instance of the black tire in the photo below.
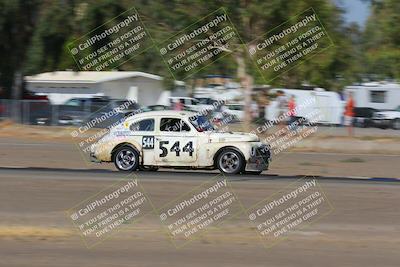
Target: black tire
x,y
396,124
230,161
126,159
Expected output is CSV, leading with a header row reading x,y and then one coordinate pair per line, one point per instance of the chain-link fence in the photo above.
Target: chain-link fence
x,y
41,112
31,112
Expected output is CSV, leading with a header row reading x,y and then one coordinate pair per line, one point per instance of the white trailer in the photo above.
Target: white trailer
x,y
316,105
378,95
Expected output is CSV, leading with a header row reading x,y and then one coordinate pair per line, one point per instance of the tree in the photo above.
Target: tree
x,y
17,21
48,43
382,40
54,24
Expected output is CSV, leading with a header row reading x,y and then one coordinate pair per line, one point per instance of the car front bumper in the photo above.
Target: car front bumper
x,y
260,160
93,158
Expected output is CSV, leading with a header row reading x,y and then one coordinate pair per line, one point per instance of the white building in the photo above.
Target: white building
x,y
60,86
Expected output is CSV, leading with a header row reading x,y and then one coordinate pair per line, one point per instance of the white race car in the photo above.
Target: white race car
x,y
177,139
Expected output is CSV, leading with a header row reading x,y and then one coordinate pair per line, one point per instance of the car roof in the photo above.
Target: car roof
x,y
162,113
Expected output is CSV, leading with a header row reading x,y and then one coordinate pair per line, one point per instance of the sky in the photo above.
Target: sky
x,y
356,10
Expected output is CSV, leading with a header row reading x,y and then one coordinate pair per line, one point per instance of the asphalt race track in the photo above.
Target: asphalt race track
x,y
362,229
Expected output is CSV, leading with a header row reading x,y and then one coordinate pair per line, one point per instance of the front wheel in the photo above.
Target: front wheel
x,y
126,159
230,161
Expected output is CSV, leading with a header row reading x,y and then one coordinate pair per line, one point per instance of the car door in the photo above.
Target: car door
x,y
176,143
141,132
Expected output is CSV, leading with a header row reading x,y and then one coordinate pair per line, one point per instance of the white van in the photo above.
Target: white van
x,y
377,95
316,105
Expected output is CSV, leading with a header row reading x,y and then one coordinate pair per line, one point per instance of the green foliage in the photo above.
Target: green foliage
x,y
35,33
382,40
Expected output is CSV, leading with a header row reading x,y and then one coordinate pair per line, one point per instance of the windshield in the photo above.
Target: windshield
x,y
202,100
201,123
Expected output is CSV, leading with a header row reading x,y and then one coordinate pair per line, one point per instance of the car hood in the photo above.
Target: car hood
x,y
217,137
386,113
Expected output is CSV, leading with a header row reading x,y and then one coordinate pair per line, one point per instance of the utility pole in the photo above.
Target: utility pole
x,y
17,86
246,82
15,96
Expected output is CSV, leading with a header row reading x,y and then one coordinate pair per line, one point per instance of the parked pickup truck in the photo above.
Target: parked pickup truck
x,y
81,110
363,116
387,118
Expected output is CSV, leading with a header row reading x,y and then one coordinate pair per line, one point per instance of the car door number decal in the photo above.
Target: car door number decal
x,y
189,148
164,150
175,148
148,142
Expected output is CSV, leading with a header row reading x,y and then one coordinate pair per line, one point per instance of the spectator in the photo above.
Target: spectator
x,y
254,110
349,114
262,102
178,105
292,112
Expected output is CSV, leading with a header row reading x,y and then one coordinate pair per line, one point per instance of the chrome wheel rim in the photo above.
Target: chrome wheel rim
x,y
125,159
229,162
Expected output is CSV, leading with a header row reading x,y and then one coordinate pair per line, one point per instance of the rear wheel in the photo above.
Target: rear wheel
x,y
230,161
126,159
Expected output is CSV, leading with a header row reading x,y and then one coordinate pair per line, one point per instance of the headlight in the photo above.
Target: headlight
x,y
253,151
